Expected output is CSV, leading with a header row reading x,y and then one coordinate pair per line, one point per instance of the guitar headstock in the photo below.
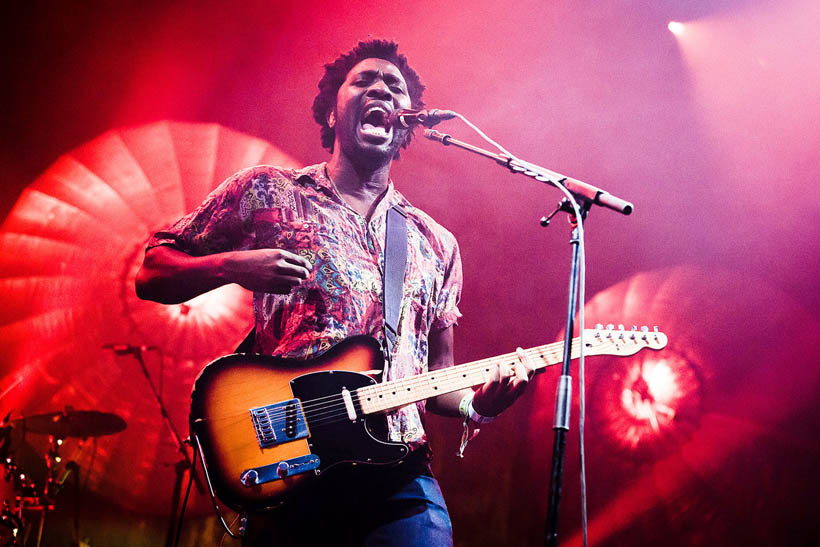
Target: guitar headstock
x,y
619,341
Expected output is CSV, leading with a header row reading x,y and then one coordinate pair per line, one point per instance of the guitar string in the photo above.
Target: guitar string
x,y
431,376
449,375
314,407
330,417
317,410
492,360
456,374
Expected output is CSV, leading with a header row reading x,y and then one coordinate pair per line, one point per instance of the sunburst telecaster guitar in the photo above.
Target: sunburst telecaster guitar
x,y
265,425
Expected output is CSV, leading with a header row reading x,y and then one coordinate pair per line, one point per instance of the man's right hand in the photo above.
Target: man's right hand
x,y
170,276
266,270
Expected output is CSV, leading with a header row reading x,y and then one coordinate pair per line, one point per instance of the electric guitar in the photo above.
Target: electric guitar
x,y
266,426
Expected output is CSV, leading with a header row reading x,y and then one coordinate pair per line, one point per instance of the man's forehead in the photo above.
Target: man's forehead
x,y
374,64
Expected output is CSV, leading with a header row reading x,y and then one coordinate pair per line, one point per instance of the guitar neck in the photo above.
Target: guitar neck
x,y
398,393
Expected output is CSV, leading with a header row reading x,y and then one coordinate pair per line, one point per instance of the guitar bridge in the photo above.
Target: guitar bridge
x,y
279,423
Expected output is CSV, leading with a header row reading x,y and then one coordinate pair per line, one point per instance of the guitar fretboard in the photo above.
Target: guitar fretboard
x,y
398,393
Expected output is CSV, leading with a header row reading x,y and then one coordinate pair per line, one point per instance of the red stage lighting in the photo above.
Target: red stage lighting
x,y
69,252
648,405
649,394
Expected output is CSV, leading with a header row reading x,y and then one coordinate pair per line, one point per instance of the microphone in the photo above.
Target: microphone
x,y
406,117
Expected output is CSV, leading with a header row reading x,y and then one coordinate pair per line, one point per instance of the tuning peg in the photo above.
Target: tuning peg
x,y
610,326
655,328
634,327
598,326
620,326
645,328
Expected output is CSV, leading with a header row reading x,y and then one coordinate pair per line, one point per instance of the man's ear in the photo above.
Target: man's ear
x,y
331,118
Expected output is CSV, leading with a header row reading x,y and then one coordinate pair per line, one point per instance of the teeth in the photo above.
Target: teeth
x,y
375,108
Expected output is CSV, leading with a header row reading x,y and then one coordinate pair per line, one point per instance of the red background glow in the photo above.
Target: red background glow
x,y
712,134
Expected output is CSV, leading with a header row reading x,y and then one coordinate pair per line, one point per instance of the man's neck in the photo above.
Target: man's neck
x,y
360,186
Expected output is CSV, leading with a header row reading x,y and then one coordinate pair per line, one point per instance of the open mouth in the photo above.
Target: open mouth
x,y
376,122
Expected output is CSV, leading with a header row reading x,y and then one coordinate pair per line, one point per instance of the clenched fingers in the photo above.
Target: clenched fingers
x,y
294,258
288,269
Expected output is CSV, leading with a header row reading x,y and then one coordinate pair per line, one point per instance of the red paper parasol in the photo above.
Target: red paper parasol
x,y
69,252
689,442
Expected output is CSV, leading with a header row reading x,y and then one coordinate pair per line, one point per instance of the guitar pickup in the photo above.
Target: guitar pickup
x,y
277,471
279,423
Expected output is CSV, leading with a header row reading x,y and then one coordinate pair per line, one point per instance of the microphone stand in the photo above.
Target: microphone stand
x,y
586,195
185,462
582,191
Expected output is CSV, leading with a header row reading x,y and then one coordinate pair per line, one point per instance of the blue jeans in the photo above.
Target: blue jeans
x,y
364,506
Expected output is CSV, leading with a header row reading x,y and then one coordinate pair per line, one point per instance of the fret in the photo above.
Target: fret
x,y
404,391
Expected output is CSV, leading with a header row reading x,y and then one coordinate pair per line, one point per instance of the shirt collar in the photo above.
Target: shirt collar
x,y
318,177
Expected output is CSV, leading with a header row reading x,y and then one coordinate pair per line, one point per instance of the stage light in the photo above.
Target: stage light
x,y
649,403
675,28
648,395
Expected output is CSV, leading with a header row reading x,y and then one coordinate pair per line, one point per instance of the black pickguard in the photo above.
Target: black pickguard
x,y
344,440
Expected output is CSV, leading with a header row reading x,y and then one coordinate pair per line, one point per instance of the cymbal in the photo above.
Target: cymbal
x,y
73,423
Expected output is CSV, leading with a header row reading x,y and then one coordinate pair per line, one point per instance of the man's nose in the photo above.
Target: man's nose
x,y
379,89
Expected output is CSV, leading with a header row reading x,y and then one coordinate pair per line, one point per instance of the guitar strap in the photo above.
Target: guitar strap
x,y
395,265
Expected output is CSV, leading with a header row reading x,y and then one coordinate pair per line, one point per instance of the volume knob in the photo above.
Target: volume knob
x,y
282,469
249,477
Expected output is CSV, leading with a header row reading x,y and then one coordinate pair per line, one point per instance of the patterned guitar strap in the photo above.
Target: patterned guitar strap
x,y
395,264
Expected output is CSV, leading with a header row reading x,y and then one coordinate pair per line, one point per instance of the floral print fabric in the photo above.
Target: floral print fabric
x,y
301,211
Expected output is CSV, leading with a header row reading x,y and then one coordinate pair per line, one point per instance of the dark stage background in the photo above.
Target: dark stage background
x,y
712,134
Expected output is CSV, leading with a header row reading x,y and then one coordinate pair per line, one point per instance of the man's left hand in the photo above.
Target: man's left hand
x,y
506,384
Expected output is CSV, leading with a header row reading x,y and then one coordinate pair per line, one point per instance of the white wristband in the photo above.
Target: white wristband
x,y
464,405
465,409
476,417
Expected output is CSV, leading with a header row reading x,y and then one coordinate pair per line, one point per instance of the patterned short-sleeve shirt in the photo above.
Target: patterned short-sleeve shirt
x,y
301,211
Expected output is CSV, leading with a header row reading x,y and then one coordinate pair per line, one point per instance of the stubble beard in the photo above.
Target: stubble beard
x,y
373,157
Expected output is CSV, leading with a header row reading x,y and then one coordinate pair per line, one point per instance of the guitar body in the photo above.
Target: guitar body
x,y
285,421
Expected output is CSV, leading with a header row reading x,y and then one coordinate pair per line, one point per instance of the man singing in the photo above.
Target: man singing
x,y
310,244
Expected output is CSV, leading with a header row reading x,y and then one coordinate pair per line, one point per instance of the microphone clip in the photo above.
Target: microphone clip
x,y
408,118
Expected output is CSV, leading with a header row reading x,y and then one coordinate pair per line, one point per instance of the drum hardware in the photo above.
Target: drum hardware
x,y
35,490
